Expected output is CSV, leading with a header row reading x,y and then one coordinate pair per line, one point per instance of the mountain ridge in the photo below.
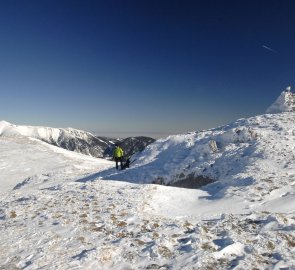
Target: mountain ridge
x,y
75,140
242,147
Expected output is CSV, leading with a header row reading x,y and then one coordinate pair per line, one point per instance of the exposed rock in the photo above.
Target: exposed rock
x,y
213,146
192,181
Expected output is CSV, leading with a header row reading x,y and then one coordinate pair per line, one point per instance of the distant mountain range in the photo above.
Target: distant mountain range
x,y
130,145
76,140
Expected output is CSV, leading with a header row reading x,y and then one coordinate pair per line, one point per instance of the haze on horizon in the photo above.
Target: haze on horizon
x,y
143,67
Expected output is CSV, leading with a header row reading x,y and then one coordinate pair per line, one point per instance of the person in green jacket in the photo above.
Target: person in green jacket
x,y
118,156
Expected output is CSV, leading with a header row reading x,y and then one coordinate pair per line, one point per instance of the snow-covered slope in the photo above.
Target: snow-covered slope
x,y
3,125
242,152
67,138
56,213
63,210
23,160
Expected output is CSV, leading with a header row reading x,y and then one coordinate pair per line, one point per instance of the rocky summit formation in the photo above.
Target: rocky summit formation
x,y
284,103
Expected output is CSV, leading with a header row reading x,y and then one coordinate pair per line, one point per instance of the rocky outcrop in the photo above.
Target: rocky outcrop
x,y
284,103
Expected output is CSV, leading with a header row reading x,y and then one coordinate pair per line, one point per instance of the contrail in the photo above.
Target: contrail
x,y
269,49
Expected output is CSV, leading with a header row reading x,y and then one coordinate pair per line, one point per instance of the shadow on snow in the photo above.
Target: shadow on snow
x,y
215,189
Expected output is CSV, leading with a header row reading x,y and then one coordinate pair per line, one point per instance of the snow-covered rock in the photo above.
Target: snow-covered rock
x,y
284,103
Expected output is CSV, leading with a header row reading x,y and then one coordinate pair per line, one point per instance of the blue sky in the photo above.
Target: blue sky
x,y
153,68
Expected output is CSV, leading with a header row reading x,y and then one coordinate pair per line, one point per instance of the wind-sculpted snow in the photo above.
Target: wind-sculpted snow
x,y
57,211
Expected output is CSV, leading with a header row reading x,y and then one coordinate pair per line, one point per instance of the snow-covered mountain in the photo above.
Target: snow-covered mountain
x,y
63,210
242,153
132,145
67,138
239,150
75,140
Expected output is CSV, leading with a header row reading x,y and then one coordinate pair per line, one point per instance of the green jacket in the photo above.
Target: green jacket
x,y
118,152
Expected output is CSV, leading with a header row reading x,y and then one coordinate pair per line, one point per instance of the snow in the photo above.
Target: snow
x,y
24,158
64,210
250,152
284,103
68,138
236,249
3,125
166,201
38,132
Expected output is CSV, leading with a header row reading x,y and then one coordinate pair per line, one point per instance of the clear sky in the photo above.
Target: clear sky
x,y
143,67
